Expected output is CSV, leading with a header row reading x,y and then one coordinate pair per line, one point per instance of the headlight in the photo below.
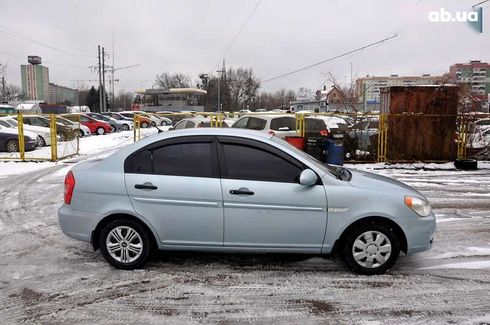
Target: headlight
x,y
420,206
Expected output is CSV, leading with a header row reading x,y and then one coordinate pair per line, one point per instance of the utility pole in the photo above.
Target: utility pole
x,y
2,71
219,87
100,83
112,70
103,81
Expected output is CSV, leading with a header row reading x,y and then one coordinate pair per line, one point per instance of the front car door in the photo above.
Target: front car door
x,y
174,184
265,207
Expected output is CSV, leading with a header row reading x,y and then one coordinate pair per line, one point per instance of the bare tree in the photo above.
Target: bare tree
x,y
305,93
12,93
176,80
243,86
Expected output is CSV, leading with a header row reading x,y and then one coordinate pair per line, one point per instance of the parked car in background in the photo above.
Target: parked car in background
x,y
322,125
362,139
229,190
196,122
43,134
278,125
9,140
483,124
174,116
127,123
79,129
145,122
156,120
115,125
95,126
64,133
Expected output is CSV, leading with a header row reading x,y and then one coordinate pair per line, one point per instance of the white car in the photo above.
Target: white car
x,y
43,135
279,125
84,131
155,119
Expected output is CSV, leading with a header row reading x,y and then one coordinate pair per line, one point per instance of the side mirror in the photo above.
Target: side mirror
x,y
308,178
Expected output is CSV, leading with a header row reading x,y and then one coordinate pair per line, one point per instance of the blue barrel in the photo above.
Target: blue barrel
x,y
335,152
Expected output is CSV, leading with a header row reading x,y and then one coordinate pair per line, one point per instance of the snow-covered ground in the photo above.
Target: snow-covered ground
x,y
46,277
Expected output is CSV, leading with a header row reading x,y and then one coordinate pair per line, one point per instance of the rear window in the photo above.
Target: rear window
x,y
255,123
314,124
283,122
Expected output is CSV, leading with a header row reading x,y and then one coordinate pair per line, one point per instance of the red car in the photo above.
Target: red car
x,y
95,126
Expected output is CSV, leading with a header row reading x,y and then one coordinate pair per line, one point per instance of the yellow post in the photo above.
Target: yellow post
x,y
54,138
382,137
20,126
80,133
136,128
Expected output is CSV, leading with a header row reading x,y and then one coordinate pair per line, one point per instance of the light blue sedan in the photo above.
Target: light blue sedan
x,y
233,190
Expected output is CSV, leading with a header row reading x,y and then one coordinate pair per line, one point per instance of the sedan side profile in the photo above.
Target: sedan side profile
x,y
232,190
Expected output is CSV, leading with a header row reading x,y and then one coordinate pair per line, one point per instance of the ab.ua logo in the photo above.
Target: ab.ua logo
x,y
473,17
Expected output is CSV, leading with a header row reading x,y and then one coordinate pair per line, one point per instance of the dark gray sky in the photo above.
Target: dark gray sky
x,y
190,36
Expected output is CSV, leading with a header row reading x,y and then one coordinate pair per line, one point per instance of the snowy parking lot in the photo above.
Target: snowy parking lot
x,y
46,277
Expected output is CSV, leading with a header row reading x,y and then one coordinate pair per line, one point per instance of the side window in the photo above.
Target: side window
x,y
190,124
241,123
179,125
251,163
255,123
84,119
5,124
283,122
193,159
373,125
313,124
37,122
183,159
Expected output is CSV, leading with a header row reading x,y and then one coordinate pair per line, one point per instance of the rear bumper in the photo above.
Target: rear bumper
x,y
77,224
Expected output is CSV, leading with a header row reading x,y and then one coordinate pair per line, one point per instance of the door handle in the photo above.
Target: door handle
x,y
241,192
145,186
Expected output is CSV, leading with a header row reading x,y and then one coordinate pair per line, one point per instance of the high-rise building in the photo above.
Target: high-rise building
x,y
368,88
35,79
474,74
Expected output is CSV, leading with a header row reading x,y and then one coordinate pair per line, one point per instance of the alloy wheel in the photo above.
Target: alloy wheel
x,y
124,244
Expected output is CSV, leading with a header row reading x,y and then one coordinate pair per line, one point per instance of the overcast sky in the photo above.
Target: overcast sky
x,y
190,36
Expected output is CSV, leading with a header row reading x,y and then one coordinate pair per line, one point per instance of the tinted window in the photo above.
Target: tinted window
x,y
283,122
180,125
183,159
5,124
314,124
255,123
84,119
142,162
245,162
190,124
241,123
373,125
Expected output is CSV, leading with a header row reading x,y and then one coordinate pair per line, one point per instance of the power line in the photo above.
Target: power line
x,y
50,63
332,58
237,34
479,3
30,39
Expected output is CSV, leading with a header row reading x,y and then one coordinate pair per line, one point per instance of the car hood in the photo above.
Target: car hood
x,y
380,183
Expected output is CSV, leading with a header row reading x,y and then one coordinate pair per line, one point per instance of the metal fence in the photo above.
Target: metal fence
x,y
37,137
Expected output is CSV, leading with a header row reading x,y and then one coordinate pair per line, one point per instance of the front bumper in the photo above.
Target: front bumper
x,y
419,232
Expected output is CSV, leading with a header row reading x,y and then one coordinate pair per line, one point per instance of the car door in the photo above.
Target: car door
x,y
265,207
174,184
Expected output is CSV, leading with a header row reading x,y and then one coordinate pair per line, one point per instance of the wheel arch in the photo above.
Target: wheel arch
x,y
399,233
96,232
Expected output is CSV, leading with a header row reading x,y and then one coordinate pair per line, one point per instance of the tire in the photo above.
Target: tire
x,y
153,124
359,236
163,123
12,146
100,130
140,242
78,133
113,128
62,137
144,125
125,127
42,142
466,164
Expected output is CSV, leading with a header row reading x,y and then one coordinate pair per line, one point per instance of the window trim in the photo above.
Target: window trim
x,y
260,146
128,162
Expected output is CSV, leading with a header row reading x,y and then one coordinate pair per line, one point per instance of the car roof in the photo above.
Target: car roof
x,y
268,116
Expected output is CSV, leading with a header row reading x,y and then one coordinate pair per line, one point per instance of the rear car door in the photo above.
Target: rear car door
x,y
174,184
265,207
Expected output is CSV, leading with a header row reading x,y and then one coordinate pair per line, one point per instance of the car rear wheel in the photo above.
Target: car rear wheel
x,y
125,244
371,249
144,125
78,133
153,124
113,128
12,146
100,130
62,136
125,127
42,142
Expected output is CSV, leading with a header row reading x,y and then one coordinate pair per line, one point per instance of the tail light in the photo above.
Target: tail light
x,y
69,187
271,132
200,125
324,133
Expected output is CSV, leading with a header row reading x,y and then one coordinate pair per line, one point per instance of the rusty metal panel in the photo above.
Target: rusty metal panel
x,y
422,123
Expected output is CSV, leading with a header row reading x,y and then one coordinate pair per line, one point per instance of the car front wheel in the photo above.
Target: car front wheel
x,y
125,244
371,249
125,127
